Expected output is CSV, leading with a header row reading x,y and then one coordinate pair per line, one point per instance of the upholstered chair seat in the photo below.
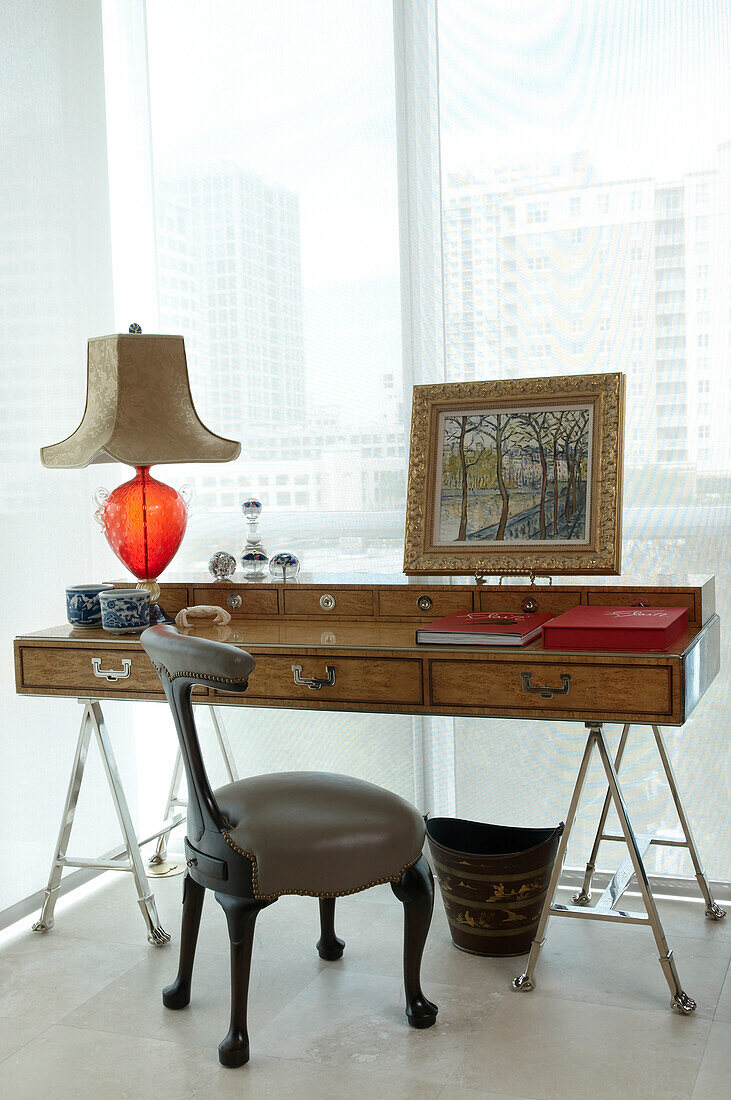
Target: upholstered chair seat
x,y
318,833
252,841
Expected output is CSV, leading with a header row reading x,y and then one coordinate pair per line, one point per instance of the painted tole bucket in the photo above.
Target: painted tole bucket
x,y
493,880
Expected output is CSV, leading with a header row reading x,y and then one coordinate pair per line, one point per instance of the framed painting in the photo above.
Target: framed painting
x,y
522,476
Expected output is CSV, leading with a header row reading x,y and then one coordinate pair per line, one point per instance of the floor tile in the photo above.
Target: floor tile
x,y
15,1034
265,1076
714,1076
549,1051
67,1063
45,976
348,1018
723,1008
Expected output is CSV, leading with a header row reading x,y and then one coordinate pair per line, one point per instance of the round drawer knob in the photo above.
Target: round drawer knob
x,y
234,601
529,604
424,603
327,602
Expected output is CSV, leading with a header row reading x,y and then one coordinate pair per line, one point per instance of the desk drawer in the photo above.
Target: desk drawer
x,y
551,602
593,688
613,598
240,602
405,605
338,603
357,680
87,671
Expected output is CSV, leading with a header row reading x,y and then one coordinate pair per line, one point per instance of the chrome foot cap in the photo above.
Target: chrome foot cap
x,y
683,1004
42,926
158,937
715,912
522,984
581,898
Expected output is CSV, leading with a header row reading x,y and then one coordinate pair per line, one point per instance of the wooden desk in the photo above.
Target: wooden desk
x,y
344,646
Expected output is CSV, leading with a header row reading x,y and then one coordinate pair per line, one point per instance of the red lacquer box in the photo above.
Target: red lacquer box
x,y
616,628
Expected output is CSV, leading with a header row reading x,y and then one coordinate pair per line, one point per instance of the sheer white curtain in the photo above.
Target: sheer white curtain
x,y
56,279
263,148
586,157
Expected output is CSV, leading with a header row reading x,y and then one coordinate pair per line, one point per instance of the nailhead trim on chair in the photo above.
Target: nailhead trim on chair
x,y
197,675
313,893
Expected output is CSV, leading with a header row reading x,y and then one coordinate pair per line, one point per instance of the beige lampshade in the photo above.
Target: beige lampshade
x,y
139,409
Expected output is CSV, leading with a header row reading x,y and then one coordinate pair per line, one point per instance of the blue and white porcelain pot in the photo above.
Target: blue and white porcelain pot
x,y
125,610
83,609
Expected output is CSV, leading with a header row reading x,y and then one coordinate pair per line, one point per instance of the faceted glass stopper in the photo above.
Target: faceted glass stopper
x,y
284,566
254,563
251,508
222,565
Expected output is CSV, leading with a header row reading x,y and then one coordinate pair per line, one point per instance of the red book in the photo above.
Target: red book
x,y
616,628
483,628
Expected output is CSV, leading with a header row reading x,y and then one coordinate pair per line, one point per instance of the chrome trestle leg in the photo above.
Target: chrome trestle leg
x,y
525,981
173,800
45,921
679,1000
156,934
223,744
161,848
584,895
713,909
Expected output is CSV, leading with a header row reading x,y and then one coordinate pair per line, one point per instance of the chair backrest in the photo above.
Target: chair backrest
x,y
182,662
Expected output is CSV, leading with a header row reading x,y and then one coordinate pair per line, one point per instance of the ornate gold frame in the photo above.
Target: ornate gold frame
x,y
601,554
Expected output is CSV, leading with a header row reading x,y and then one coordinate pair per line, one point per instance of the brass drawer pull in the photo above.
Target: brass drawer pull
x,y
327,602
112,674
546,692
314,682
425,603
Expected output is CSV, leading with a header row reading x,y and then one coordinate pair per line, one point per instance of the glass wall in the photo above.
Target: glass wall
x,y
586,176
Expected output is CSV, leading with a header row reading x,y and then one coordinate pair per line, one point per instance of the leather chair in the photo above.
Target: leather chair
x,y
254,840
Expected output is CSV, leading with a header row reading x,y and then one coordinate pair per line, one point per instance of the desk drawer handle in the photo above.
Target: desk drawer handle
x,y
546,692
111,674
314,682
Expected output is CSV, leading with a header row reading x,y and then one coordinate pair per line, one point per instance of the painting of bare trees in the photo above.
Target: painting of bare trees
x,y
514,476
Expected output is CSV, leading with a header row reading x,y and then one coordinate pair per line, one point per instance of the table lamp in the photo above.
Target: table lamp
x,y
139,411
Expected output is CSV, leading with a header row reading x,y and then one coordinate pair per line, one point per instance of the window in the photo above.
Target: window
x,y
619,147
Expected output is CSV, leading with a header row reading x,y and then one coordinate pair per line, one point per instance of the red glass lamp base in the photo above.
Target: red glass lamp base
x,y
144,521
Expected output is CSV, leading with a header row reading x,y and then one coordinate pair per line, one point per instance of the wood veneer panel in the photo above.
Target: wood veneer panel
x,y
369,680
355,603
594,688
399,604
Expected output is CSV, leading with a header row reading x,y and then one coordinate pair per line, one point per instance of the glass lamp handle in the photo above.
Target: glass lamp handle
x,y
100,497
187,493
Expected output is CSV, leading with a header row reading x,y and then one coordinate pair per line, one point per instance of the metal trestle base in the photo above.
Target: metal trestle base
x,y
158,866
606,907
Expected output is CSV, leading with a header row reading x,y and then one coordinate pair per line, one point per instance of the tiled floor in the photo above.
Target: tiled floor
x,y
81,1015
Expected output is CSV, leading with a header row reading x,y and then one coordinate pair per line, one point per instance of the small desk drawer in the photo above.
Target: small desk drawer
x,y
551,602
594,688
338,603
613,598
405,605
87,671
239,601
357,680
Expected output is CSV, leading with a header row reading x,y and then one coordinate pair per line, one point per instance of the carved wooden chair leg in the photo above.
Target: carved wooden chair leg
x,y
241,914
329,946
415,890
177,995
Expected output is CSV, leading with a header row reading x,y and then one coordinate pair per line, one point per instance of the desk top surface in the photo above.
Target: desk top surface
x,y
311,635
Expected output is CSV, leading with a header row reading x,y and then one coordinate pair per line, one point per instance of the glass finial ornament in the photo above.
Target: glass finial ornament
x,y
253,557
284,566
222,565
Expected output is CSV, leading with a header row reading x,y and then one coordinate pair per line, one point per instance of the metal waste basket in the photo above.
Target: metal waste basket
x,y
493,880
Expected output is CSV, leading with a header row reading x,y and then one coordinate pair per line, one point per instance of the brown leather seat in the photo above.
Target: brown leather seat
x,y
254,840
